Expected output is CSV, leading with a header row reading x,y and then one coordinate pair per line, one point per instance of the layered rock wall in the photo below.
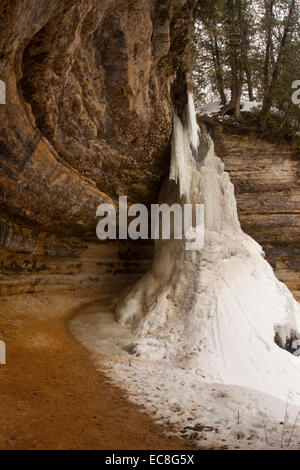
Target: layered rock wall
x,y
91,86
266,177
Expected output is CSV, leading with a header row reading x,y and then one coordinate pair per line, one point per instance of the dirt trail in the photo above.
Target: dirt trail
x,y
52,397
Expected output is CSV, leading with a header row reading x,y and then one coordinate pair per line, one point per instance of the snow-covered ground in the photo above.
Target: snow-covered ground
x,y
248,106
210,414
209,109
214,107
196,342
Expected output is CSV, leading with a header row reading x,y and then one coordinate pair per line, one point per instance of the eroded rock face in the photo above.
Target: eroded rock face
x,y
91,88
88,112
267,187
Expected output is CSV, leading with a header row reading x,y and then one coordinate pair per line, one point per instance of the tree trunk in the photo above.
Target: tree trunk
x,y
237,50
249,83
269,5
269,95
217,66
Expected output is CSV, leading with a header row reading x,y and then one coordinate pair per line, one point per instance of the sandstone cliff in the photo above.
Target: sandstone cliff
x,y
91,87
267,188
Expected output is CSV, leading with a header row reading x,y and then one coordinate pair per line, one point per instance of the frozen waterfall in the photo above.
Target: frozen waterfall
x,y
216,310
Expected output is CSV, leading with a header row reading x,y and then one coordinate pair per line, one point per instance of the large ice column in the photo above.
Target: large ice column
x,y
215,310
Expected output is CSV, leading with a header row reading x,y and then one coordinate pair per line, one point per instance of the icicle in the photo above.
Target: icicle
x,y
185,143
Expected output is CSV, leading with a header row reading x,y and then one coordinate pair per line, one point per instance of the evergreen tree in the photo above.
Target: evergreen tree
x,y
250,49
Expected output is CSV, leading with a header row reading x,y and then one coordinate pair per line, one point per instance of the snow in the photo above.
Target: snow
x,y
209,414
209,109
249,106
214,108
195,344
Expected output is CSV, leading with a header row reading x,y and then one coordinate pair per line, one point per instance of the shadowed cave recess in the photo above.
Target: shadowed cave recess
x,y
91,89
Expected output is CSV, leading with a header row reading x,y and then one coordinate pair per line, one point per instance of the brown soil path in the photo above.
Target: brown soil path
x,y
52,397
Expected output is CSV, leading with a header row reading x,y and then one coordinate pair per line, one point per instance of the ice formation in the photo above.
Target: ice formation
x,y
215,311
